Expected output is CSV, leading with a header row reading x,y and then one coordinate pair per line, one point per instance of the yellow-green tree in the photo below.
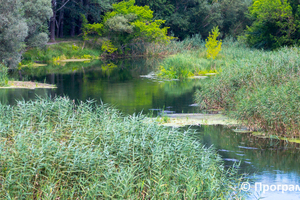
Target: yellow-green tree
x,y
127,24
212,44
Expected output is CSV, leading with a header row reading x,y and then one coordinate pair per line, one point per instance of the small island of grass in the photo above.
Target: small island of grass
x,y
5,83
26,85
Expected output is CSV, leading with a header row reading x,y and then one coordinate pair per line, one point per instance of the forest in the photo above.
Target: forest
x,y
260,24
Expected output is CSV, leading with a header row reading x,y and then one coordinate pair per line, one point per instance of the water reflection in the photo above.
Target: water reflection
x,y
117,83
266,161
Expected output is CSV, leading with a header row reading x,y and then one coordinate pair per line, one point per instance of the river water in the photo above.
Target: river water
x,y
266,162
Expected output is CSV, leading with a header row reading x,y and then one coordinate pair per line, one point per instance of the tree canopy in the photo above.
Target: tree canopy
x,y
128,23
276,23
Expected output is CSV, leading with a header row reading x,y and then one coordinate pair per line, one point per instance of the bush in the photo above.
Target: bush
x,y
56,149
3,75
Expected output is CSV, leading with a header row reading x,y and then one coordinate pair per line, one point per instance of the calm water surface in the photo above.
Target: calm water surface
x,y
119,84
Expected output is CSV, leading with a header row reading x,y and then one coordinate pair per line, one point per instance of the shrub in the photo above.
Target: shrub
x,y
56,149
212,44
3,75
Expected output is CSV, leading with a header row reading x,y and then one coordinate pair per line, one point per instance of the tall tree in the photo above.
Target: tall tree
x,y
13,31
189,17
275,24
37,14
66,17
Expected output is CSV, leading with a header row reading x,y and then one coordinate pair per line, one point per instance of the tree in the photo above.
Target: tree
x,y
37,14
13,31
128,24
212,44
189,17
274,26
66,16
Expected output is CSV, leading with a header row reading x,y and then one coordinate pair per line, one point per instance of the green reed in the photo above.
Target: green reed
x,y
56,149
259,87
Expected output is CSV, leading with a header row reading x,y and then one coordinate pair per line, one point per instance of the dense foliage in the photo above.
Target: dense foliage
x,y
22,23
264,92
212,44
56,149
3,75
13,31
276,23
127,25
186,18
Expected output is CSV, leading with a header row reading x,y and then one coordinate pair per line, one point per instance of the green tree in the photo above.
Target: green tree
x,y
128,24
13,31
37,14
274,26
187,18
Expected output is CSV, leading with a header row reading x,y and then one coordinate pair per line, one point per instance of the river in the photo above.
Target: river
x,y
265,161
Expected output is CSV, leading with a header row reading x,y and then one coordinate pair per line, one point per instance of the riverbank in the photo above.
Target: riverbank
x,y
260,88
52,148
78,49
26,85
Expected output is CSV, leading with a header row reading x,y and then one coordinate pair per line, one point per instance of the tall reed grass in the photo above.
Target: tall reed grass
x,y
188,64
56,149
259,87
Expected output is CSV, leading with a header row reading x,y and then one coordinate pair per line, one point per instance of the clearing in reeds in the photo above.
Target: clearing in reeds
x,y
260,87
56,149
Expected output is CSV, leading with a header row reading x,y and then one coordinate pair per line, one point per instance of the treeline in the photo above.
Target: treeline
x,y
266,24
185,18
66,19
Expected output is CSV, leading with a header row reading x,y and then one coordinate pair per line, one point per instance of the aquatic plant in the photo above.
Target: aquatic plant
x,y
187,64
56,149
263,91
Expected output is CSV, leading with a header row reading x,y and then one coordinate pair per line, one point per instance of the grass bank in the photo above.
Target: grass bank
x,y
262,88
53,53
77,49
56,149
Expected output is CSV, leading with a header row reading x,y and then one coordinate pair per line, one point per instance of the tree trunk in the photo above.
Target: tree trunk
x,y
61,22
72,33
52,21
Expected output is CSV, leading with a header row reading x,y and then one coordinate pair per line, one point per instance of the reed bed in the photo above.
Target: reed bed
x,y
259,87
188,64
56,149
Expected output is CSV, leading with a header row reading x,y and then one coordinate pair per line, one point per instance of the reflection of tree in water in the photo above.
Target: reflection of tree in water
x,y
178,88
117,82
